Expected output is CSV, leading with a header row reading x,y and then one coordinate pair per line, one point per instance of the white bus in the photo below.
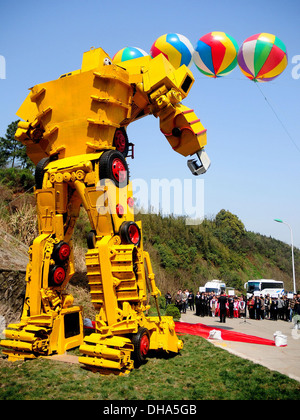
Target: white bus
x,y
264,287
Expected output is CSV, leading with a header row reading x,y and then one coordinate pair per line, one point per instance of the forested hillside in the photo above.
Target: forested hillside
x,y
220,248
182,255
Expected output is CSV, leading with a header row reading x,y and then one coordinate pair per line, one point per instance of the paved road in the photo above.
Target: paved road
x,y
285,360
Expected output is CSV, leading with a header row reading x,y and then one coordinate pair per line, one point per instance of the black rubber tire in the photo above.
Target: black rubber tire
x,y
51,281
141,342
124,233
39,172
91,239
55,254
106,167
122,148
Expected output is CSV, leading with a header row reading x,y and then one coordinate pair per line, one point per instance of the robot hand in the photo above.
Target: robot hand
x,y
204,160
187,136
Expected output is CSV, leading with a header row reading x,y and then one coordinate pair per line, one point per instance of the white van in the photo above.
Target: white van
x,y
215,286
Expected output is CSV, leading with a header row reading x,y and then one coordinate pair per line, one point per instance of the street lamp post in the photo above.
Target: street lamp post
x,y
293,262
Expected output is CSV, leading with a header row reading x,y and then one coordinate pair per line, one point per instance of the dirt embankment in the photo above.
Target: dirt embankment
x,y
12,291
13,261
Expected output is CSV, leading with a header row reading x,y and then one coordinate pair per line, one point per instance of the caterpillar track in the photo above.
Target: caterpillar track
x,y
25,343
107,354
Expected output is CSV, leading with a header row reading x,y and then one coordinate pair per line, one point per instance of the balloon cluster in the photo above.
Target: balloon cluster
x,y
261,57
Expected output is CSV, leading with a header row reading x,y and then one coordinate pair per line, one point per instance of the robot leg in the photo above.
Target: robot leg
x,y
119,274
49,322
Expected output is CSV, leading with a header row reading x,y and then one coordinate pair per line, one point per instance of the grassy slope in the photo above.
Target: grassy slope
x,y
200,372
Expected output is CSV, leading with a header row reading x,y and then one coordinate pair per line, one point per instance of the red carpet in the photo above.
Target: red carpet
x,y
203,331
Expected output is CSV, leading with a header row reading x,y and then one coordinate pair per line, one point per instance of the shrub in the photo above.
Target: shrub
x,y
17,179
173,311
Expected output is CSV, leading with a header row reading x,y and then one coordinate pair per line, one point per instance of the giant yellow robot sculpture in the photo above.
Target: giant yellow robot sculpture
x,y
74,129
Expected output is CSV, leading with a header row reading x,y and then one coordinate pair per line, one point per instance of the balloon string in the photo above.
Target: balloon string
x,y
276,115
271,107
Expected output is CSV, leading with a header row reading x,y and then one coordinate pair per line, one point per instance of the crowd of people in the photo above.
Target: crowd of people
x,y
256,307
271,307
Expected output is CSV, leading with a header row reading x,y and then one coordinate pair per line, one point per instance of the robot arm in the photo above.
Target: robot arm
x,y
187,136
163,88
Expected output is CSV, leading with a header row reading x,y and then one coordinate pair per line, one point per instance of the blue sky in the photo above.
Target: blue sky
x,y
255,169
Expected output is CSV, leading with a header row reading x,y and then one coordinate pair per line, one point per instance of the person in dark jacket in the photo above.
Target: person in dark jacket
x,y
297,305
178,300
198,303
168,298
191,299
257,307
230,303
274,309
222,304
202,304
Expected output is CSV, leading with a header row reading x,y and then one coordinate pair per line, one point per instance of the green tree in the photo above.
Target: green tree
x,y
229,229
12,152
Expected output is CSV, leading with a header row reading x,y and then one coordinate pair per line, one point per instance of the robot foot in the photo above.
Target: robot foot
x,y
107,355
26,342
44,335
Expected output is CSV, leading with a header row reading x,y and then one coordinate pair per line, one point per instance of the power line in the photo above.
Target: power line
x,y
277,116
5,234
21,195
